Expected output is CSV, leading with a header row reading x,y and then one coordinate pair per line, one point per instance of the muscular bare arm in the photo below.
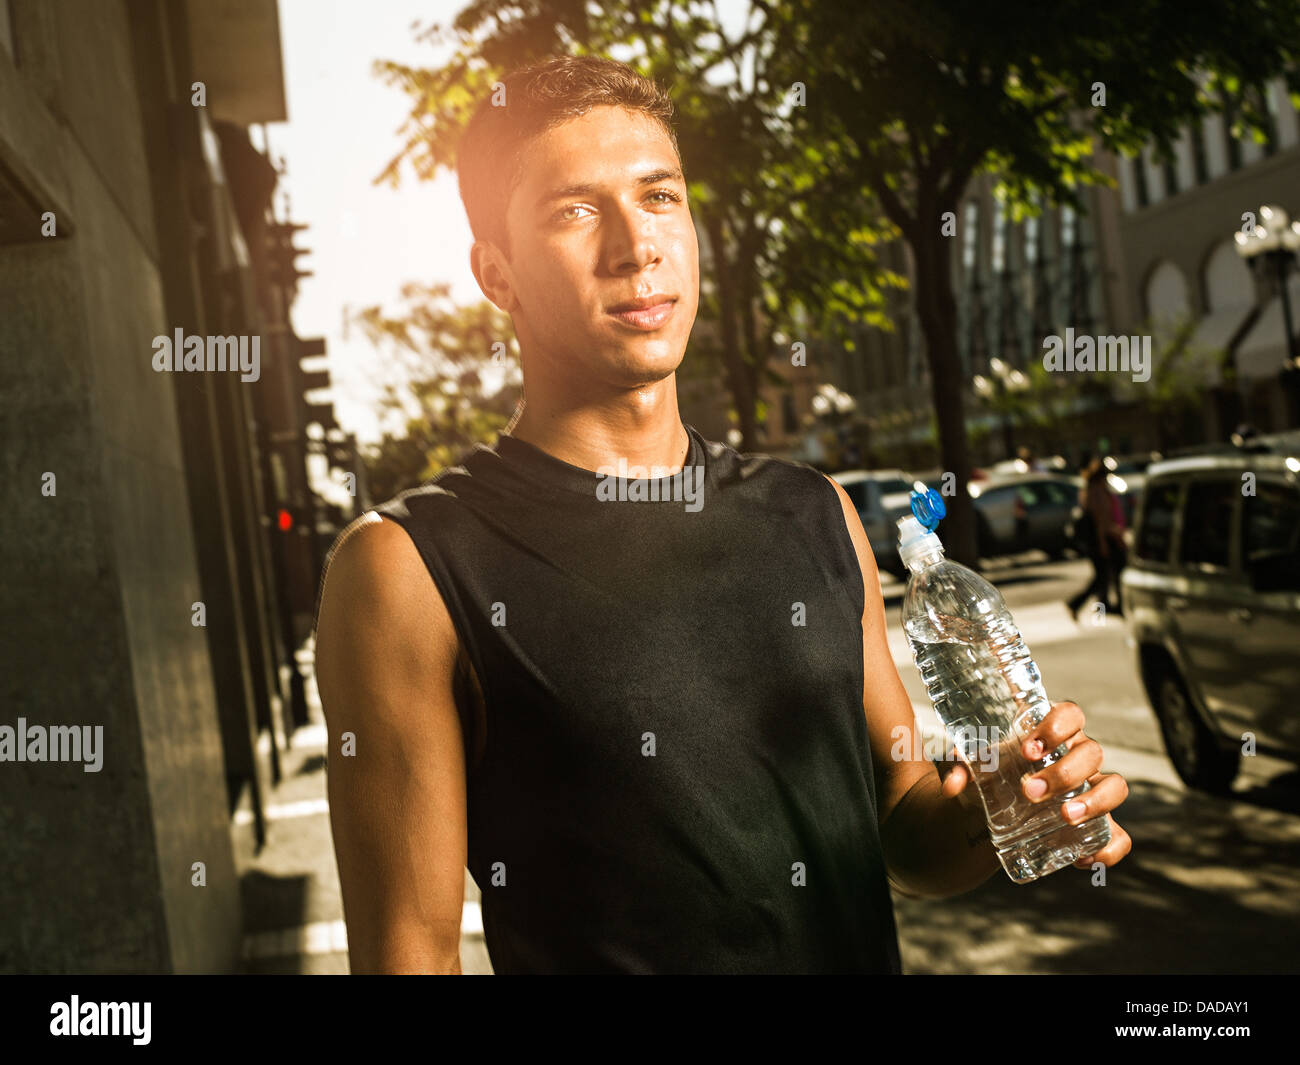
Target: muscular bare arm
x,y
936,843
386,652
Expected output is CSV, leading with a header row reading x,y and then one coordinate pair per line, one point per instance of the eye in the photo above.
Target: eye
x,y
564,214
670,196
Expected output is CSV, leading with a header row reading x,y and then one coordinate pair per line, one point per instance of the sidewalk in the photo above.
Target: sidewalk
x,y
293,908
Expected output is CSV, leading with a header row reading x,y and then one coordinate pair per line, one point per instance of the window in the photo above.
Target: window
x,y
1170,172
1267,107
1207,523
1140,180
970,237
1234,145
1271,524
1199,164
1068,228
999,250
1156,533
1059,493
1031,495
996,498
893,486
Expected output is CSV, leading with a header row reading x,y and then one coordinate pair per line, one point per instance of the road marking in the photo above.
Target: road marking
x,y
284,811
316,735
321,937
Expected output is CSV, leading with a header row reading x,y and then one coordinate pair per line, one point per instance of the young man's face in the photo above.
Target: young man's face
x,y
599,220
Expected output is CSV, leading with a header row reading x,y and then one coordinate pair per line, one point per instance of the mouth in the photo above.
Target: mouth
x,y
645,314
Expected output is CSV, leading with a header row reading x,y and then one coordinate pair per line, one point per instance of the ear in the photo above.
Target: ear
x,y
492,272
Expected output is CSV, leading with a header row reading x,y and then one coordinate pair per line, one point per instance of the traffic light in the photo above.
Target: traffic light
x,y
340,454
312,380
280,255
322,414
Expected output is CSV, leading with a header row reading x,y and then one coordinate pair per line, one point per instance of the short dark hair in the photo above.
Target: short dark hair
x,y
538,98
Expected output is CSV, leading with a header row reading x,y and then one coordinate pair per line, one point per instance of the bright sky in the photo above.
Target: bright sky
x,y
366,240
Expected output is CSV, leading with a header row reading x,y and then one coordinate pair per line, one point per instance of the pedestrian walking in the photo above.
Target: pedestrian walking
x,y
1101,528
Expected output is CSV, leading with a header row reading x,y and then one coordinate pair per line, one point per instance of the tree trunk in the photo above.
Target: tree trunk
x,y
937,311
738,379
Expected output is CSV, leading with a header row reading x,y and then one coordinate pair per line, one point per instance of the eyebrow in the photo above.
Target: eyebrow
x,y
565,191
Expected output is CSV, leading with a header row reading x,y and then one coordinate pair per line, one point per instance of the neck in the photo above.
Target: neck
x,y
641,426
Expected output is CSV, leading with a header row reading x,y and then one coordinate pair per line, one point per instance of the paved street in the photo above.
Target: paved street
x,y
1211,886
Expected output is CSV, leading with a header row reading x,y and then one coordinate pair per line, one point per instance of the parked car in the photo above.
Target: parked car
x,y
1017,512
1212,600
1024,512
1050,464
881,497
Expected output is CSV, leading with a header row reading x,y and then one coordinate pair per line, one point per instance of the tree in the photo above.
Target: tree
x,y
453,381
1181,373
787,240
926,93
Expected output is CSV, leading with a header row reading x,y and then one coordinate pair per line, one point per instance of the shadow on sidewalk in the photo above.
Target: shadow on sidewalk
x,y
1210,886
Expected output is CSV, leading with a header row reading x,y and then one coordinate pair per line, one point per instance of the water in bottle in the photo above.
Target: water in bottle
x,y
988,695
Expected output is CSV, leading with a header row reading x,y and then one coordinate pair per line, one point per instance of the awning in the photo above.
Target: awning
x,y
235,51
1262,352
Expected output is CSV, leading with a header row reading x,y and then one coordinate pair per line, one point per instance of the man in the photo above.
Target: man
x,y
656,713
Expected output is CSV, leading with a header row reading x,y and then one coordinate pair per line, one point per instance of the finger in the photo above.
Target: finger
x,y
955,782
1119,846
1067,773
1057,726
1107,792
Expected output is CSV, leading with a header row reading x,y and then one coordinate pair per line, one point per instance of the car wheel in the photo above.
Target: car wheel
x,y
1197,757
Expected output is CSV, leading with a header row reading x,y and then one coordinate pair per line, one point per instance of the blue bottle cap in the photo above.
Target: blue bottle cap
x,y
927,505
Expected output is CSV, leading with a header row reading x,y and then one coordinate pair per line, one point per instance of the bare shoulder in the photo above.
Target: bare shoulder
x,y
374,573
386,654
381,618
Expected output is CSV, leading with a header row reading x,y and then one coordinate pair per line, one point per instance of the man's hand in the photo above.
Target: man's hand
x,y
1081,762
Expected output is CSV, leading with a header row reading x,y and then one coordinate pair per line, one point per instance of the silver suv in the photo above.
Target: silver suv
x,y
1212,600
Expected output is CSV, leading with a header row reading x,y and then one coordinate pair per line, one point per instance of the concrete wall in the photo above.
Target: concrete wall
x,y
95,607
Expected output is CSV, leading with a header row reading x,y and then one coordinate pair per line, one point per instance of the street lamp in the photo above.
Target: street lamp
x,y
998,391
835,408
1275,241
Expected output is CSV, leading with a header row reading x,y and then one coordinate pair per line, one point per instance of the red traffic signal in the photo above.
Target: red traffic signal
x,y
284,520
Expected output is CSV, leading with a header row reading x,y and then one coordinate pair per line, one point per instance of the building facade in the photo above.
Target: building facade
x,y
148,598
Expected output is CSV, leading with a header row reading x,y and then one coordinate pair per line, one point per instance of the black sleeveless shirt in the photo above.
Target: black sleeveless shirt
x,y
672,774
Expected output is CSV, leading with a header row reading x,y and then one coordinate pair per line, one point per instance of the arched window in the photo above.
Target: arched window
x,y
1167,296
1227,280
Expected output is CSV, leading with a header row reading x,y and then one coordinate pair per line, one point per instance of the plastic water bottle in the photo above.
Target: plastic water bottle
x,y
988,695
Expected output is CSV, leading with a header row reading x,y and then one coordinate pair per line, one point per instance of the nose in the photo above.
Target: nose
x,y
632,243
